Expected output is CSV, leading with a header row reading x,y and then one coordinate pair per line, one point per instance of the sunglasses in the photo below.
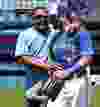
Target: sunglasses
x,y
40,17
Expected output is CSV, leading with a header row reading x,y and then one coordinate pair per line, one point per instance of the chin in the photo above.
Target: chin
x,y
43,29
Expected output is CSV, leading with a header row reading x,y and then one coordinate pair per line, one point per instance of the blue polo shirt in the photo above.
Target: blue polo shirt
x,y
32,43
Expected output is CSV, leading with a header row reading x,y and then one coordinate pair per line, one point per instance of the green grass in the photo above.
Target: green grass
x,y
96,98
15,97
12,97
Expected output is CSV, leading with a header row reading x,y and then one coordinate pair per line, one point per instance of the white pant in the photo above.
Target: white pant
x,y
69,94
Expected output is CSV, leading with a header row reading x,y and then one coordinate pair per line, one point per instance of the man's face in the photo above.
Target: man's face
x,y
40,19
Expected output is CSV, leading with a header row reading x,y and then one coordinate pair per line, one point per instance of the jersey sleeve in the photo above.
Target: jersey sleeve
x,y
21,46
87,43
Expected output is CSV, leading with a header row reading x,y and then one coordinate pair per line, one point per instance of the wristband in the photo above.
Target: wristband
x,y
74,68
40,60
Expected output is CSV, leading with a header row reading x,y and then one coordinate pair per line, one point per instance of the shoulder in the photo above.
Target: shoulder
x,y
28,34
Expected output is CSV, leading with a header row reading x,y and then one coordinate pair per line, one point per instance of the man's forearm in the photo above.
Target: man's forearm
x,y
35,66
81,63
24,60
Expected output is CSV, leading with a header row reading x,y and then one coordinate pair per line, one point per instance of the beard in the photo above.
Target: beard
x,y
40,23
41,27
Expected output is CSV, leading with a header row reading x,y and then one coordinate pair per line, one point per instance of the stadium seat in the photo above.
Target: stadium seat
x,y
10,27
10,74
12,21
12,69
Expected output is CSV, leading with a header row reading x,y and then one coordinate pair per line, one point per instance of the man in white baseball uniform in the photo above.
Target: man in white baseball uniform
x,y
74,73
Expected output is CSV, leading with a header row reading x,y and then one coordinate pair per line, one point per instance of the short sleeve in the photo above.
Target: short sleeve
x,y
87,43
21,46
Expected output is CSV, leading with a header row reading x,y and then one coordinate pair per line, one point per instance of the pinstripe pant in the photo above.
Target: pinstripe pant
x,y
69,94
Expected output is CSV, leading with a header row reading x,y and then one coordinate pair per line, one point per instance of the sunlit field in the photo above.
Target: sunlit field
x,y
96,98
12,97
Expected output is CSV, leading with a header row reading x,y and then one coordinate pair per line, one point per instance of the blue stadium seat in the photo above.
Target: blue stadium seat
x,y
10,74
12,21
12,69
10,26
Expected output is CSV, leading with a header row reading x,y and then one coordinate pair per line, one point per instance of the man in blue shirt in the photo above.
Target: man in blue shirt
x,y
26,48
31,43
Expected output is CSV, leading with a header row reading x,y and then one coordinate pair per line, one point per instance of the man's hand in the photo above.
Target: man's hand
x,y
58,75
55,71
